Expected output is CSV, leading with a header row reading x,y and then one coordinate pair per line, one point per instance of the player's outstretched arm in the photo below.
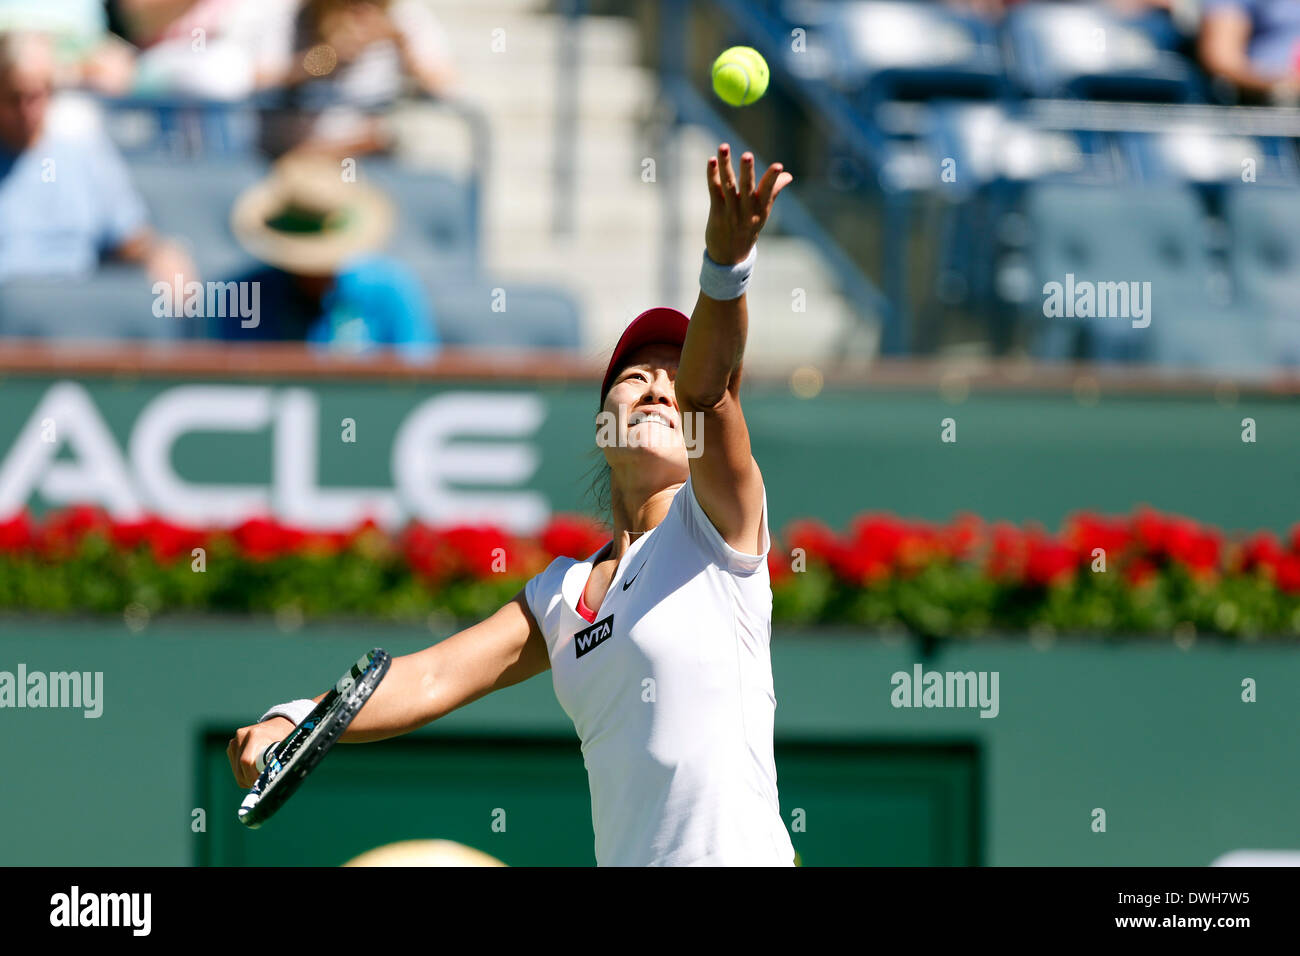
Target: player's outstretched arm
x,y
501,651
498,652
725,477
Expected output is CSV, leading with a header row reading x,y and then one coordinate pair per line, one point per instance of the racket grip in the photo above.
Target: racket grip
x,y
262,757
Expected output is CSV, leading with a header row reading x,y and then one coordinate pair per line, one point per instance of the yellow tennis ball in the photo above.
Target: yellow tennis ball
x,y
740,76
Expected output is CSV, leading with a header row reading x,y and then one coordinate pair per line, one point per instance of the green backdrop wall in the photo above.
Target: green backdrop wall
x,y
1155,735
1017,456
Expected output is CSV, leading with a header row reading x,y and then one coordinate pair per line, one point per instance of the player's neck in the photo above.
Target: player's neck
x,y
635,515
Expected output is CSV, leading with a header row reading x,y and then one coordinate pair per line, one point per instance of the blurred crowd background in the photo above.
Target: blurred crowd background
x,y
507,174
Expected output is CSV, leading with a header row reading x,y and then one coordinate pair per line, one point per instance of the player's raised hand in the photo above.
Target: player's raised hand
x,y
738,210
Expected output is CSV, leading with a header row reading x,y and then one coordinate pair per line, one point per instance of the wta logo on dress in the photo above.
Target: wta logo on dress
x,y
587,640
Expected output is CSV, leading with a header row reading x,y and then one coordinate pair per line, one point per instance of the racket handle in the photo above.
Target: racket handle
x,y
261,758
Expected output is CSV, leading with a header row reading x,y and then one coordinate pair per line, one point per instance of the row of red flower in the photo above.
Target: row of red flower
x,y
461,550
878,546
873,547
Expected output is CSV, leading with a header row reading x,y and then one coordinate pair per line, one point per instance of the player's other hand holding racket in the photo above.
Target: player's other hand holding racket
x,y
249,743
416,688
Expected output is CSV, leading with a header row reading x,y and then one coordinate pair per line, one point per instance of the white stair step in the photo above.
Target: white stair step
x,y
611,262
613,95
532,42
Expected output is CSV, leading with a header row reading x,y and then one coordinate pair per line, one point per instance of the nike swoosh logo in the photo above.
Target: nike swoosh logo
x,y
628,583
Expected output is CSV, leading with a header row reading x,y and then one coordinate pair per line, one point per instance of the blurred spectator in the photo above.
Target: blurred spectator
x,y
347,59
65,199
1255,46
213,49
325,279
84,52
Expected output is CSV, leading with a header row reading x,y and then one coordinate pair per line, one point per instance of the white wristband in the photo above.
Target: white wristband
x,y
295,711
726,282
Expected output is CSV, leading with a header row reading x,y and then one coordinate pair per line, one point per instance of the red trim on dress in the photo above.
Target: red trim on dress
x,y
587,613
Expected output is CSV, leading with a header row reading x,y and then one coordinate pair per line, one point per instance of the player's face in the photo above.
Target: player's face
x,y
640,421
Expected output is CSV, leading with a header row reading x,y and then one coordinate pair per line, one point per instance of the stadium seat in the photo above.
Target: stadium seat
x,y
1199,154
987,142
192,198
888,50
528,316
436,212
116,303
1084,51
1143,234
997,154
1264,258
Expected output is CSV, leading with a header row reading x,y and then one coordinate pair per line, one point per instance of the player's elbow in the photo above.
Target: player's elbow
x,y
430,692
703,399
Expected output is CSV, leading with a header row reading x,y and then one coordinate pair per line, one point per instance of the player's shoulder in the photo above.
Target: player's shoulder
x,y
552,588
553,572
689,514
561,565
550,580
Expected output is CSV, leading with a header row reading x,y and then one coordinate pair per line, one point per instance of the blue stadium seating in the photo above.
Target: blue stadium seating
x,y
1146,234
1197,154
192,198
1085,51
534,316
435,213
1042,189
191,162
882,50
117,303
997,155
1264,256
160,126
989,142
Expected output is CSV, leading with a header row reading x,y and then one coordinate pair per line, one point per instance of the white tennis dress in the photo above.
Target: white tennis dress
x,y
670,691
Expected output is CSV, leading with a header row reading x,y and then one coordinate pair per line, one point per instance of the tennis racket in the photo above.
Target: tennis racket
x,y
285,765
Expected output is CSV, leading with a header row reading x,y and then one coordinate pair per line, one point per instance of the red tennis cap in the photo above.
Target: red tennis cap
x,y
651,327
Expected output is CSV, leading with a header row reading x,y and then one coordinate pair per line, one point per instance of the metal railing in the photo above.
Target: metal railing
x,y
566,117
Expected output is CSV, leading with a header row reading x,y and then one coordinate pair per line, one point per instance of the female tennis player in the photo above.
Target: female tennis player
x,y
657,643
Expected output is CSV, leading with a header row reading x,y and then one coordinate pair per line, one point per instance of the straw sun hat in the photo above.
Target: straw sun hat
x,y
304,218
